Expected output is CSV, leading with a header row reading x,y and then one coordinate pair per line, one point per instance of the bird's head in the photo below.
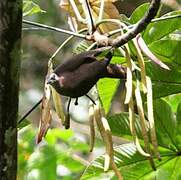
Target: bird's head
x,y
55,79
52,78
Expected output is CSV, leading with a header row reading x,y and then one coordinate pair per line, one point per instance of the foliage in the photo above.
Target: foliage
x,y
164,40
131,163
30,8
55,159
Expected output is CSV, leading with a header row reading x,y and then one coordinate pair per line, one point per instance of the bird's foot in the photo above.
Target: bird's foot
x,y
76,102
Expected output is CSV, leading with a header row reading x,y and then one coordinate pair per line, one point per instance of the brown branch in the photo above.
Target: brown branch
x,y
141,25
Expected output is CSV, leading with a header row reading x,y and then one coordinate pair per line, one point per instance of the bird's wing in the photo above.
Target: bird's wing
x,y
76,61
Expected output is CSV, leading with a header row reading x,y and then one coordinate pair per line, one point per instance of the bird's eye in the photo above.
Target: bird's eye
x,y
53,77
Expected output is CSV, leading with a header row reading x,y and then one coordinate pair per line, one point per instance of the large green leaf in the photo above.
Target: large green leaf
x,y
165,82
178,136
119,124
168,50
173,101
107,88
165,124
139,12
158,30
133,166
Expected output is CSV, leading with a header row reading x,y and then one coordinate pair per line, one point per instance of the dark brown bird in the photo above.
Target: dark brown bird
x,y
77,75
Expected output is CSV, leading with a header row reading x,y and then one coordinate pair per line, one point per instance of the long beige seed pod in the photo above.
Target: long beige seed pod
x,y
151,117
133,130
141,64
129,82
105,132
143,123
92,129
58,105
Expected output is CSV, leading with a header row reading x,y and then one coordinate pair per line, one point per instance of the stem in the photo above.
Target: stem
x,y
64,43
101,12
165,18
111,33
89,17
32,109
54,29
76,11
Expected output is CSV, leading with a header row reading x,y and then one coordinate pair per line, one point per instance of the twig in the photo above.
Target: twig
x,y
33,108
111,33
34,29
101,12
54,29
89,16
165,18
76,11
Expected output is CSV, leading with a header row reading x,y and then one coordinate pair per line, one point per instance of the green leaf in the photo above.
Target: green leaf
x,y
65,158
133,166
165,82
54,134
168,50
119,124
107,88
30,8
179,113
173,101
45,162
178,137
170,170
118,58
139,12
165,124
157,30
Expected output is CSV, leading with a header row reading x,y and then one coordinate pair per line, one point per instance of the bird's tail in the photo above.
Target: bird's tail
x,y
114,71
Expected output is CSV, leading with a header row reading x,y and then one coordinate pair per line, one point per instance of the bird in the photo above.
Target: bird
x,y
78,74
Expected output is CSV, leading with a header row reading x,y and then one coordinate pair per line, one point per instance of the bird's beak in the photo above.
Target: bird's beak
x,y
49,81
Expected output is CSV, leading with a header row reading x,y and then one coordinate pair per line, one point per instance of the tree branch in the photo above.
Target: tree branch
x,y
139,27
